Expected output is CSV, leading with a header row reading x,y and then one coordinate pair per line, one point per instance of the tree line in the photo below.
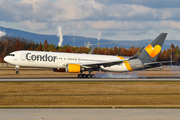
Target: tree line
x,y
9,44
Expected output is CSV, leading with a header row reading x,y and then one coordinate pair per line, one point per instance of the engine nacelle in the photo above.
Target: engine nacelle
x,y
73,68
59,70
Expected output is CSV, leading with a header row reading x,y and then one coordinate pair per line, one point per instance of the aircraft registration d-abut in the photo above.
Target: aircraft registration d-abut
x,y
78,63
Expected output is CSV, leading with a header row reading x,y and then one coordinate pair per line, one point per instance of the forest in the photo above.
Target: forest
x,y
9,44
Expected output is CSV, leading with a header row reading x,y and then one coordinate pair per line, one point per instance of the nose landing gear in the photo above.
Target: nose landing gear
x,y
17,69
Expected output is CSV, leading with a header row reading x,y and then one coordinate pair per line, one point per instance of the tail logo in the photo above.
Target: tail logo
x,y
153,51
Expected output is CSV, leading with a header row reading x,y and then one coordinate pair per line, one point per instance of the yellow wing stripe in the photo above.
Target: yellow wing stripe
x,y
126,64
121,57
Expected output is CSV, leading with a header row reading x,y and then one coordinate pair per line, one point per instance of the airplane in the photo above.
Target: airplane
x,y
78,63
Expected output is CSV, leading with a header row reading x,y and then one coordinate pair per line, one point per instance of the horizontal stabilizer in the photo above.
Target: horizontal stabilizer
x,y
151,63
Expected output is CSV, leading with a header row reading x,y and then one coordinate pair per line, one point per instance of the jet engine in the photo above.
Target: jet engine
x,y
73,68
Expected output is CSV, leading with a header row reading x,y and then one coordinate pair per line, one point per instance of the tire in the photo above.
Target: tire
x,y
84,75
92,76
88,76
79,75
17,72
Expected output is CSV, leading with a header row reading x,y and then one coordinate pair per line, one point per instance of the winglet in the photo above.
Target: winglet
x,y
92,50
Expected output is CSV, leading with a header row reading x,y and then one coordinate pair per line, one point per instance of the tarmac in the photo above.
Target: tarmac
x,y
86,79
90,114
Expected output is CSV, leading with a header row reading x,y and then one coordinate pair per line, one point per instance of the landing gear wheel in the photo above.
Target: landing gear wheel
x,y
88,76
17,72
92,76
84,75
79,75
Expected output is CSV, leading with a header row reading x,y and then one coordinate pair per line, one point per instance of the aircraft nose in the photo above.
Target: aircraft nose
x,y
6,59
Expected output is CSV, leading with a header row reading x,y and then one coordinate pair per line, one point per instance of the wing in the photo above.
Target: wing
x,y
98,64
105,64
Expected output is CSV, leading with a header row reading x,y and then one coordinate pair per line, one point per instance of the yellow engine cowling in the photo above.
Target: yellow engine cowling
x,y
73,68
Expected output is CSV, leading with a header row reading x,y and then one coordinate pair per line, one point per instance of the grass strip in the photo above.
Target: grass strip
x,y
89,94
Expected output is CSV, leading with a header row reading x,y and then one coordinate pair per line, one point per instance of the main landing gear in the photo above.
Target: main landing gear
x,y
17,69
86,76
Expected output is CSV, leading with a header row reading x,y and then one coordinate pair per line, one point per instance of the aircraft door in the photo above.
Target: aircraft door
x,y
23,56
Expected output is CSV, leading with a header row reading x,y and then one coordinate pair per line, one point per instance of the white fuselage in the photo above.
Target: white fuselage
x,y
42,59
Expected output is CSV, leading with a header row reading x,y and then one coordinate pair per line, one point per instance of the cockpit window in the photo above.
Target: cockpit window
x,y
11,55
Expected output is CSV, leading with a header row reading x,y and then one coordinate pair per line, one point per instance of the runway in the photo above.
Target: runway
x,y
84,79
90,114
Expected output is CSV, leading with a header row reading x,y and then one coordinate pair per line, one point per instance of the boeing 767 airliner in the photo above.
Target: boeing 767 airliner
x,y
78,63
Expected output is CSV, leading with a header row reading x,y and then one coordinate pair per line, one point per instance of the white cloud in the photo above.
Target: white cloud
x,y
83,16
32,25
170,24
1,1
66,10
166,15
2,33
105,25
74,9
29,1
71,10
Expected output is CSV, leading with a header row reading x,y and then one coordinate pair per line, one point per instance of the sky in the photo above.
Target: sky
x,y
112,19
